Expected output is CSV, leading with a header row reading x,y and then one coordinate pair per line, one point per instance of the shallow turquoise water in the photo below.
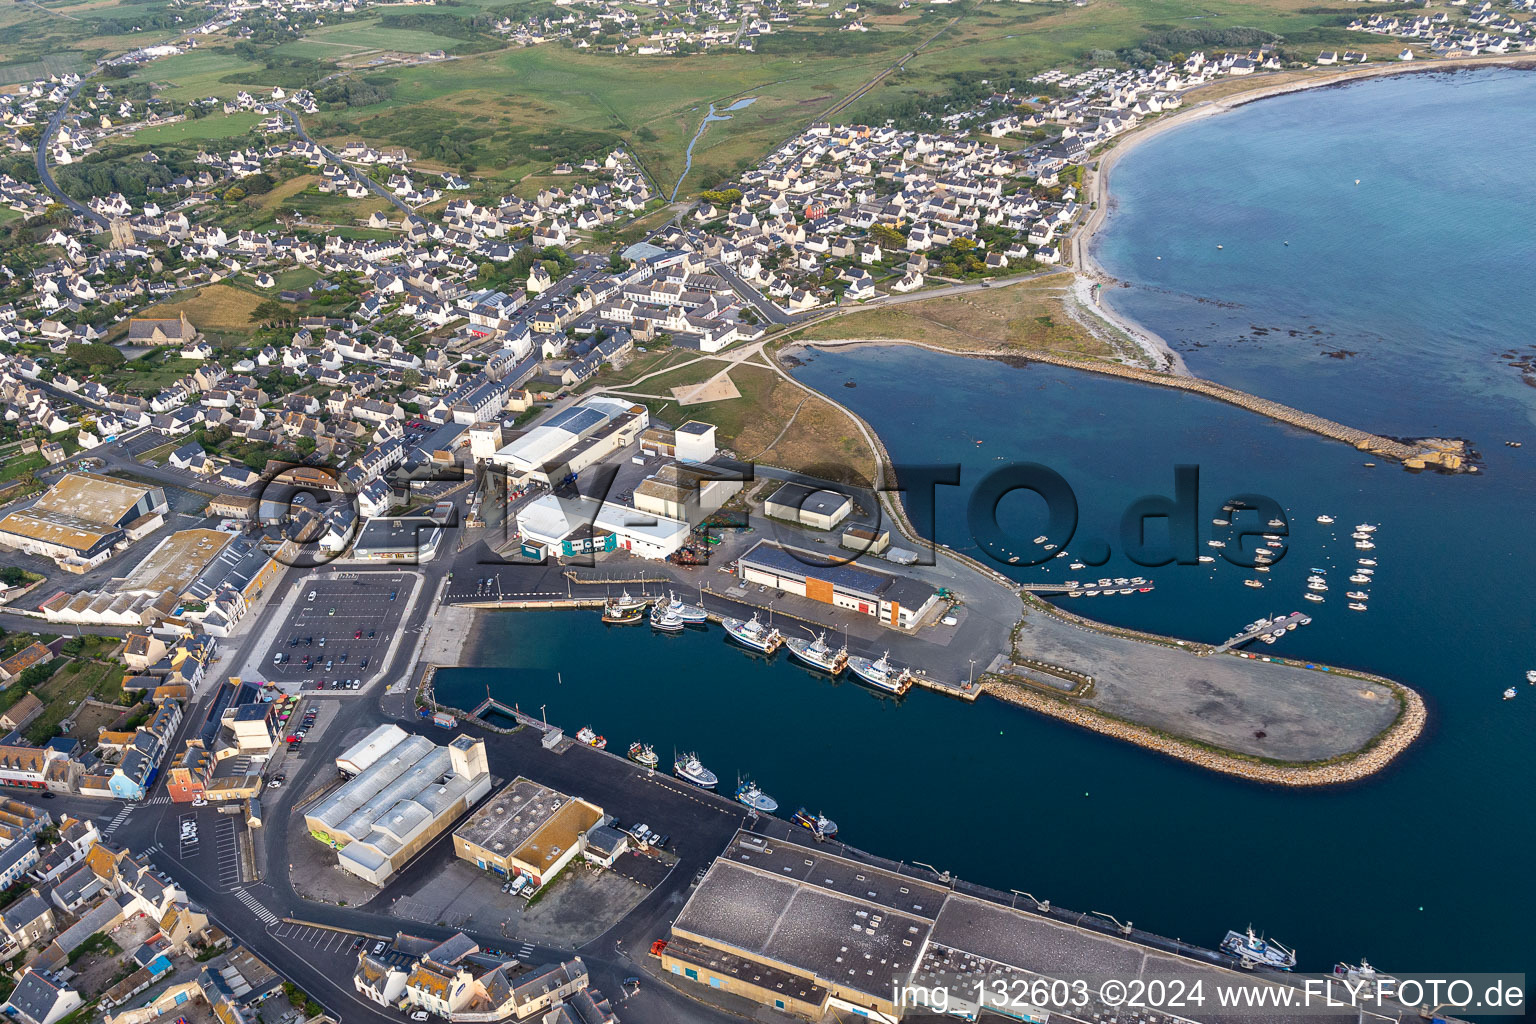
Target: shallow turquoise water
x,y
1420,868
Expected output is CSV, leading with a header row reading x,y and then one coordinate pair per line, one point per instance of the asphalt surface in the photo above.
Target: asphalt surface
x,y
46,175
339,628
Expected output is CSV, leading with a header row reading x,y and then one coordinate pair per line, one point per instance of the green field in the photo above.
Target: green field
x,y
214,126
369,35
513,113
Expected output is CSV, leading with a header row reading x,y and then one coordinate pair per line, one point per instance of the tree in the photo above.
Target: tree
x,y
410,377
887,236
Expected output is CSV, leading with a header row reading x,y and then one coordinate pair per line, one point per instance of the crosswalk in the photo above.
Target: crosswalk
x,y
156,800
117,822
525,951
263,915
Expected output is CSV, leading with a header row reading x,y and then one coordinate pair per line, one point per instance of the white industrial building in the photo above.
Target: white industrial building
x,y
406,793
572,440
574,526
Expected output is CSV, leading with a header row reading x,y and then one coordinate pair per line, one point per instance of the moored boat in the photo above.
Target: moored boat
x,y
683,610
821,826
752,633
664,619
1313,597
587,735
643,755
1253,583
817,653
748,793
1511,693
688,768
1255,951
880,673
1357,606
621,615
1325,520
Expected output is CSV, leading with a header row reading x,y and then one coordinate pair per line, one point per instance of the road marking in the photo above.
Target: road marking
x,y
117,822
262,913
525,952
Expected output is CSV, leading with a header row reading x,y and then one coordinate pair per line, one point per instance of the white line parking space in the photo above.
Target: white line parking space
x,y
227,847
189,836
322,939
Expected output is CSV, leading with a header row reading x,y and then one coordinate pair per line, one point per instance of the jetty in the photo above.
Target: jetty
x,y
1270,628
1090,588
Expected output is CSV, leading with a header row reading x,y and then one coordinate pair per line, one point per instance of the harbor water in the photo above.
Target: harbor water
x,y
1418,868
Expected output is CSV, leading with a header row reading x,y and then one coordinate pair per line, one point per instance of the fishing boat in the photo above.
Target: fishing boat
x,y
817,653
643,755
1357,595
1364,545
1530,676
1357,578
748,793
1261,567
1078,565
1041,539
1511,693
1366,561
752,633
1362,978
1217,543
1255,951
821,826
1277,523
1366,528
688,768
686,612
1207,558
880,673
664,619
619,615
1317,585
1253,583
1313,597
1325,520
1221,522
587,735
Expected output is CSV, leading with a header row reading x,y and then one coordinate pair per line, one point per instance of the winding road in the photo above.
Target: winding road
x,y
46,175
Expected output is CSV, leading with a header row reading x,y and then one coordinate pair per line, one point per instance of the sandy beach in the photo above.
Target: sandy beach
x,y
1092,280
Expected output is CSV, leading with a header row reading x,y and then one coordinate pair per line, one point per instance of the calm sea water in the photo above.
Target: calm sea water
x,y
1419,868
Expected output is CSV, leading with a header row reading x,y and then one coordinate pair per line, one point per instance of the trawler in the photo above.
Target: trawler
x,y
748,793
688,768
643,755
821,826
686,612
664,619
880,673
1255,951
752,633
1362,978
817,653
587,735
616,612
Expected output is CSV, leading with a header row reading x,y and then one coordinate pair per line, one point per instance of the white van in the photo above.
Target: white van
x,y
519,884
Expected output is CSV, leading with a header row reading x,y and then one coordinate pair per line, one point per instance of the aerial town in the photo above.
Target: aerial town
x,y
236,548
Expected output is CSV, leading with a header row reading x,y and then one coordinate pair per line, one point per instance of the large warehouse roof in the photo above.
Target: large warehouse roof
x,y
848,924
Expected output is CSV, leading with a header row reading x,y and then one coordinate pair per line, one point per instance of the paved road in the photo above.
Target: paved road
x,y
359,176
42,162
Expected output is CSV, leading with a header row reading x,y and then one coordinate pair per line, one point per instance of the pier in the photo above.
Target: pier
x,y
1273,628
1092,588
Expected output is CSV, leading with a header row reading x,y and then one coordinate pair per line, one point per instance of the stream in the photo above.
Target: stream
x,y
713,115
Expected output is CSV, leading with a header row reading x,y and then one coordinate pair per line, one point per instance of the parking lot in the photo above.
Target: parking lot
x,y
338,631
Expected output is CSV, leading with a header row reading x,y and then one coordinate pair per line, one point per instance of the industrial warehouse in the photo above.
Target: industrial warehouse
x,y
80,520
810,932
572,440
894,600
528,830
405,794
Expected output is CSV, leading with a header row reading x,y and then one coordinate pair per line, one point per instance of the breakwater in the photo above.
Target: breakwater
x,y
1367,761
1444,454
